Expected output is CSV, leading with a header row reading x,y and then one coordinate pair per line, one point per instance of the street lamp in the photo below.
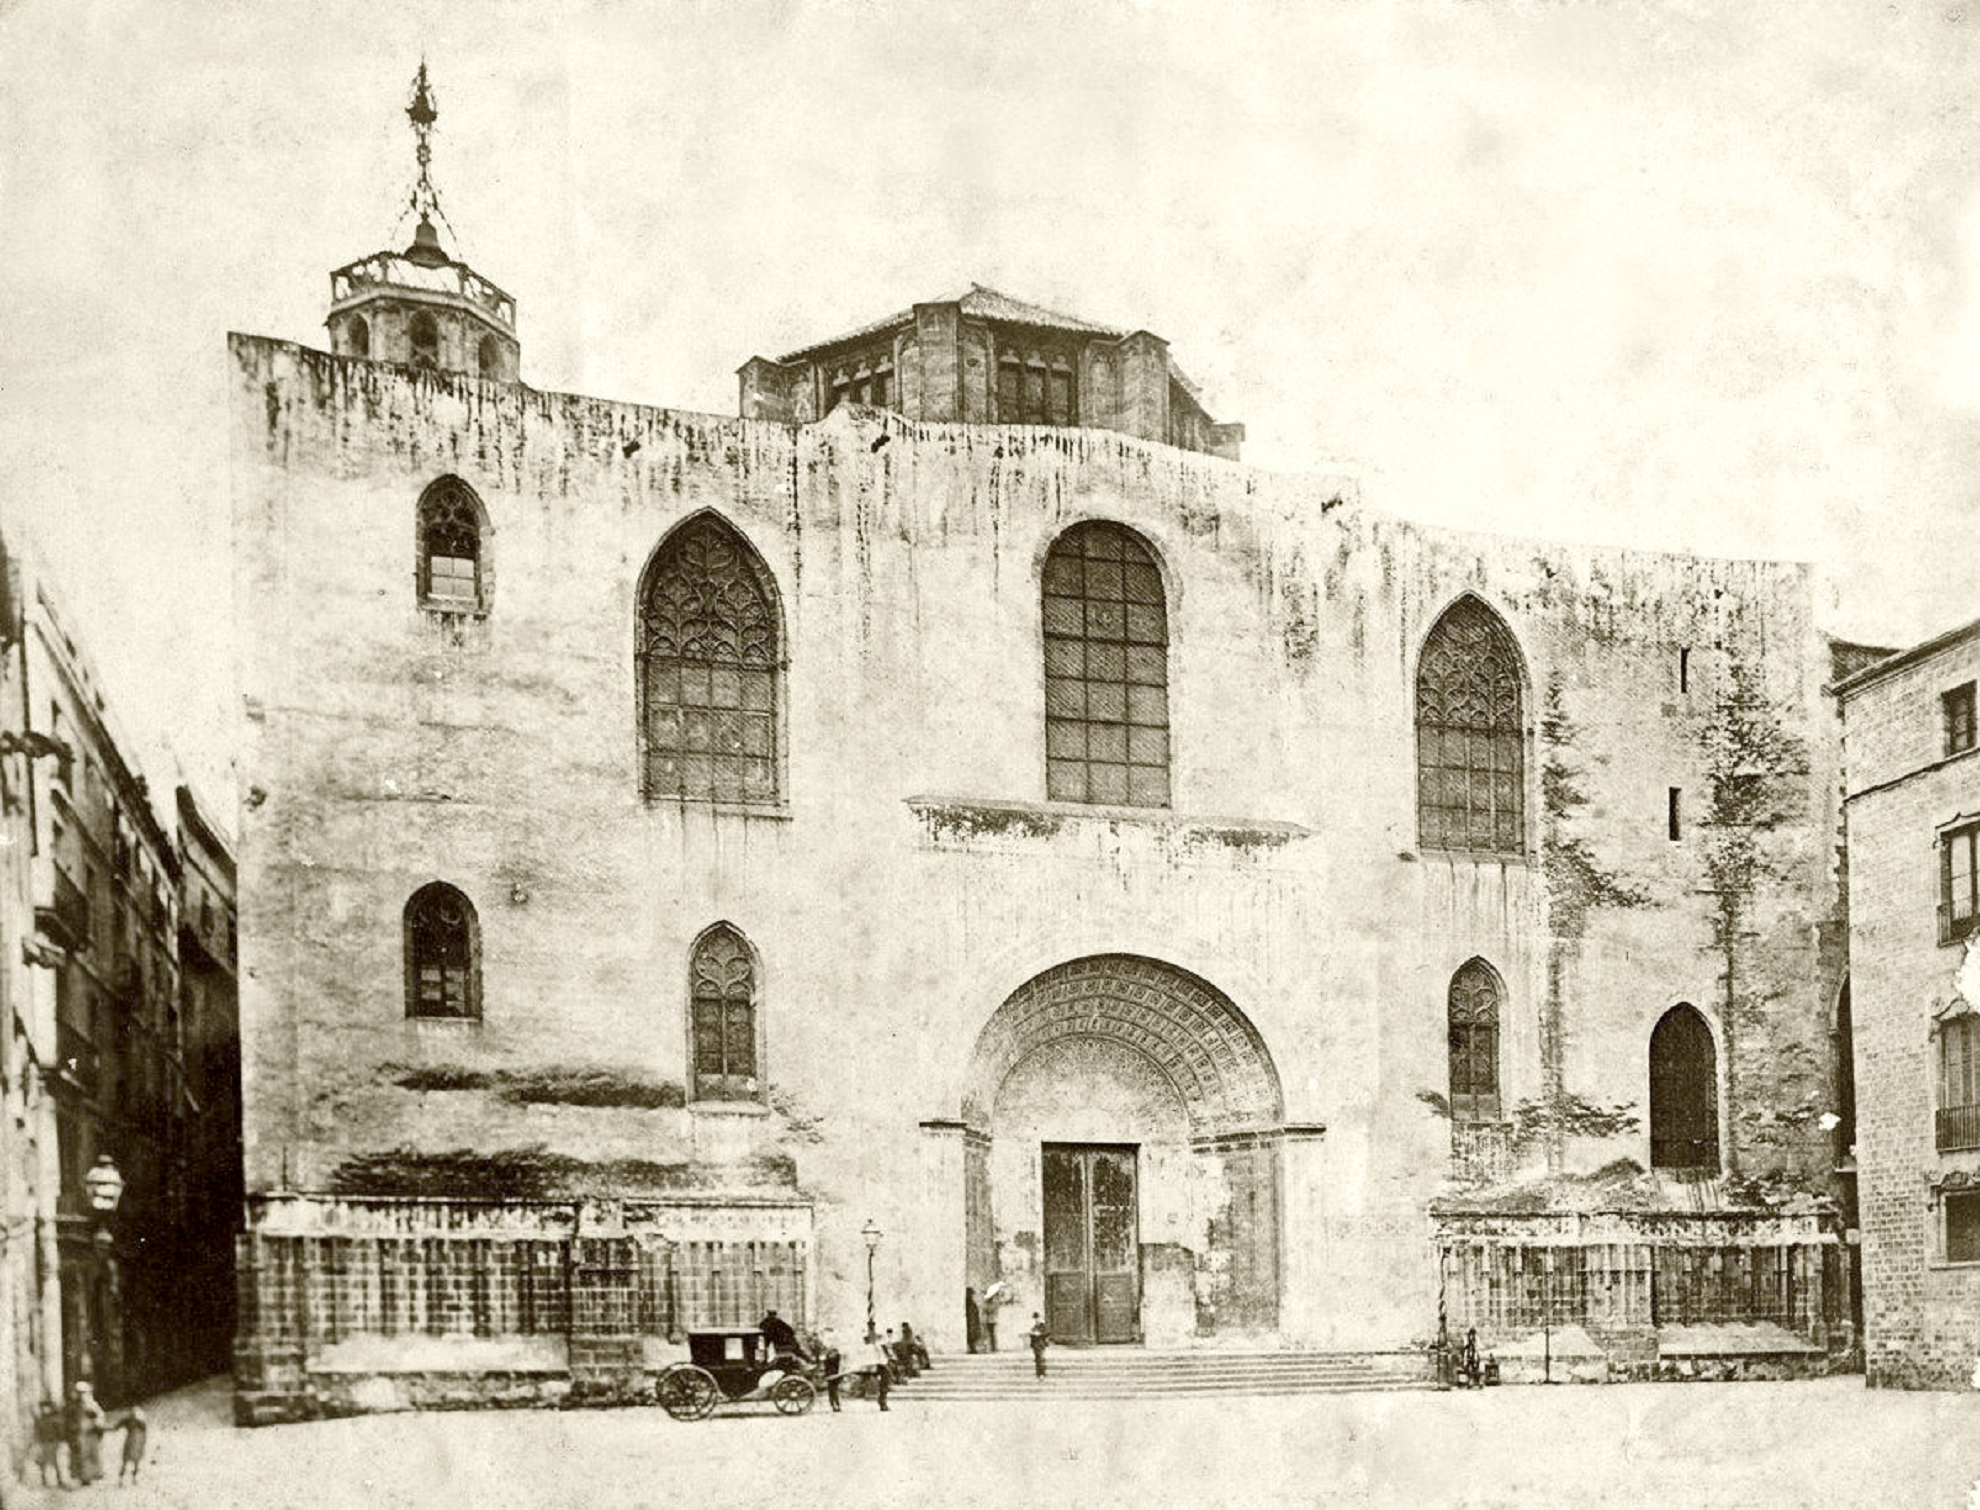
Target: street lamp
x,y
872,1235
104,1185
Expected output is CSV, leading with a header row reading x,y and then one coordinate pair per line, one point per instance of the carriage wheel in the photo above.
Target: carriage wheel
x,y
793,1396
687,1393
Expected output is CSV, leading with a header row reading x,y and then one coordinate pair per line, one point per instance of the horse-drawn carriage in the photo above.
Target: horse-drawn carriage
x,y
736,1366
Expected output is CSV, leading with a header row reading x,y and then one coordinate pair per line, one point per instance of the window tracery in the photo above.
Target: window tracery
x,y
1473,1018
708,666
443,974
723,997
1471,735
450,547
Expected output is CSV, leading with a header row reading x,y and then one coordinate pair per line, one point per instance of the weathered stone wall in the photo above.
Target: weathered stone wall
x,y
1922,1314
915,877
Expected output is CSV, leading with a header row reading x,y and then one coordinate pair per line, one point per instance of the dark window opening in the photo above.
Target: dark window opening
x,y
1106,670
442,954
1470,735
1959,901
1473,1019
723,995
360,336
489,355
1035,390
424,335
1671,817
1684,1092
1962,1228
1845,1050
1957,706
708,667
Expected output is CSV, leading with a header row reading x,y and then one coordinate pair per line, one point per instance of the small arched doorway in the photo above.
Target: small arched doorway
x,y
1684,1092
1123,1172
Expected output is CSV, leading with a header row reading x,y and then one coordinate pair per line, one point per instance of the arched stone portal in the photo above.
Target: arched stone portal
x,y
1123,1168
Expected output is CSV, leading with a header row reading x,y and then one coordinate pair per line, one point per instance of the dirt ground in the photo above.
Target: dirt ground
x,y
1827,1443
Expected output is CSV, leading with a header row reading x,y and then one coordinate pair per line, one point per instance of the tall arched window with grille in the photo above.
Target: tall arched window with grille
x,y
1471,734
452,564
708,664
1958,1116
443,954
722,1025
1106,670
1684,1092
1473,1017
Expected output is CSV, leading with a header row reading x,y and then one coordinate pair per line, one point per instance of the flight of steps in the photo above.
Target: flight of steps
x,y
1132,1373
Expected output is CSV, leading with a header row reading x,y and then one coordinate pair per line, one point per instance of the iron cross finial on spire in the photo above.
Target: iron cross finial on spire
x,y
422,112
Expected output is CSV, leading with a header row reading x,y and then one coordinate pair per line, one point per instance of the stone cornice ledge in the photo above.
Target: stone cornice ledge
x,y
991,817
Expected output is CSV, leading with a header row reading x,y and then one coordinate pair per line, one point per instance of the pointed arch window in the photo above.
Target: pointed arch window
x,y
1476,995
1106,670
722,996
452,567
443,954
708,665
1684,1092
1471,735
360,336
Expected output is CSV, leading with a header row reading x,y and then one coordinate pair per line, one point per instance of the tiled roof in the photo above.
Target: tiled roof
x,y
978,303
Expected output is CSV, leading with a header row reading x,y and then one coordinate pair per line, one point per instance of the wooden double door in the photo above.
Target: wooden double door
x,y
1092,1243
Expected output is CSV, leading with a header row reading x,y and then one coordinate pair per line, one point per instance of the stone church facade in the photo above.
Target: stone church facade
x,y
693,863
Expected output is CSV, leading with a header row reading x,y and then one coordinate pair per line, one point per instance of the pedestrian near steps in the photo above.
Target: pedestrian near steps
x,y
1040,1339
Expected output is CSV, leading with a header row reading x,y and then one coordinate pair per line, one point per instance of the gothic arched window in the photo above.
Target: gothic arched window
x,y
1471,735
443,954
1473,1018
489,357
452,572
708,666
360,336
1684,1092
722,996
1106,670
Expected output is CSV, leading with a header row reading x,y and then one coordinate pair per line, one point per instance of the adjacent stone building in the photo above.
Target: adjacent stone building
x,y
1913,811
691,863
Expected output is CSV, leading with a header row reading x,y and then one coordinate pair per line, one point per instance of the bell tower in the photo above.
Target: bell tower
x,y
422,307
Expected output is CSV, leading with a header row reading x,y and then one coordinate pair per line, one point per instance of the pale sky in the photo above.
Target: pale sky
x,y
1680,275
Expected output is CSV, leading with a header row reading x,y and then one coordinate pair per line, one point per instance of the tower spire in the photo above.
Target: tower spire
x,y
423,112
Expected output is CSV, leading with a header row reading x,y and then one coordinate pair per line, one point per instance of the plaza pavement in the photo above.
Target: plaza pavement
x,y
1826,1443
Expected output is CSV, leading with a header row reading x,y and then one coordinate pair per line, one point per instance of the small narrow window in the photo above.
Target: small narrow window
x,y
1958,708
1962,1227
1684,669
723,996
880,387
424,336
1672,813
443,976
1472,1013
360,336
1959,902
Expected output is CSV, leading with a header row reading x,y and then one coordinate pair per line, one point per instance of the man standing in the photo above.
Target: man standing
x,y
828,1346
875,1363
1039,1339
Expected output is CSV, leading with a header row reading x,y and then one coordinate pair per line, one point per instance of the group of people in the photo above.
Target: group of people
x,y
77,1431
881,1362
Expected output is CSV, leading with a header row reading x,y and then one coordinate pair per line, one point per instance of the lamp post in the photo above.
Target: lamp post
x,y
872,1235
103,1187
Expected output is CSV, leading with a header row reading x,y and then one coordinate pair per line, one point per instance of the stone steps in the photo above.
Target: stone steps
x,y
1134,1373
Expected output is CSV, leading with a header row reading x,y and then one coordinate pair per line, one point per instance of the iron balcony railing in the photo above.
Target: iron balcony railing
x,y
1958,1127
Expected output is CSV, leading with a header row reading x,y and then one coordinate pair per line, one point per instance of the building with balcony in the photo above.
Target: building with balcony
x,y
1912,805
